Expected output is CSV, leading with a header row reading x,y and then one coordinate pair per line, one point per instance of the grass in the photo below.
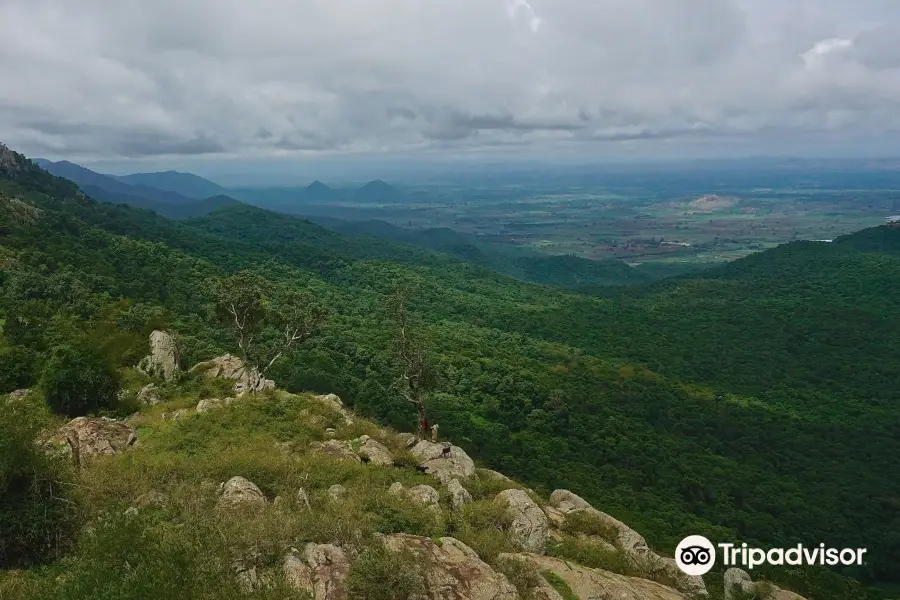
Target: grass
x,y
558,584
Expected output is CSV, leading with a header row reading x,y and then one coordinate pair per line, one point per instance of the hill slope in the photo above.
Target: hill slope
x,y
533,379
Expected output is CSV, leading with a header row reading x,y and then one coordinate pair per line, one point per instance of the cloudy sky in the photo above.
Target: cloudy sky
x,y
174,82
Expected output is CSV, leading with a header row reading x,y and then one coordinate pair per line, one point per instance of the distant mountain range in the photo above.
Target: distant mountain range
x,y
163,193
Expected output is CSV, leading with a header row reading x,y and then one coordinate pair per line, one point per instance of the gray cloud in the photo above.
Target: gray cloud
x,y
271,78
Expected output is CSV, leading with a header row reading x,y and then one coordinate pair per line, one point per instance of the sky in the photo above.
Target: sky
x,y
224,85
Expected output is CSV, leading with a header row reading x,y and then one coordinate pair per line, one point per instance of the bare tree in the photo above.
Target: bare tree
x,y
268,321
415,373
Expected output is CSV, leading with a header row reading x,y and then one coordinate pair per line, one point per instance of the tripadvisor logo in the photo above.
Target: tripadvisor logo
x,y
696,555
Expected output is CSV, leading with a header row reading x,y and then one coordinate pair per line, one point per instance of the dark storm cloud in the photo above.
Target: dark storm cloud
x,y
274,77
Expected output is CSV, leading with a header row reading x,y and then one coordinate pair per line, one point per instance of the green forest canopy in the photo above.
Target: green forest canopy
x,y
755,402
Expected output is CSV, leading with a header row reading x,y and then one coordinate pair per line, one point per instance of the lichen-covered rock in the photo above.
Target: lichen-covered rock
x,y
595,583
228,366
375,451
329,568
424,495
297,573
738,583
631,543
163,360
208,404
337,450
93,436
151,498
452,570
337,492
528,523
149,395
16,395
396,489
459,496
445,466
302,499
238,491
407,440
334,402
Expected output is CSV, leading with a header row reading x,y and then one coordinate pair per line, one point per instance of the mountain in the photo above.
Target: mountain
x,y
185,184
318,191
116,190
376,191
753,403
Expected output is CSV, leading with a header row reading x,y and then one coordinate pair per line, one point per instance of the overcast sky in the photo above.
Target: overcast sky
x,y
182,82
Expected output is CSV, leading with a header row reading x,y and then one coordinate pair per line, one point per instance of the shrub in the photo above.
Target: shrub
x,y
18,369
78,380
379,574
36,518
519,573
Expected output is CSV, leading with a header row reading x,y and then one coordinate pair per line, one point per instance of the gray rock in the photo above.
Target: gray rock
x,y
238,491
334,402
149,395
208,404
408,440
163,360
459,496
424,495
93,436
528,523
329,568
303,499
231,367
336,449
377,453
337,492
457,465
16,395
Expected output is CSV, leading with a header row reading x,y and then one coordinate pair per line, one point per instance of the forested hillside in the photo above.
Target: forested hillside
x,y
756,402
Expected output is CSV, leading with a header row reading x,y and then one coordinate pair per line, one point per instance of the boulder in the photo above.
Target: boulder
x,y
337,492
595,583
328,569
163,360
452,570
208,404
376,452
94,436
446,468
334,402
407,440
180,414
738,583
151,498
631,543
231,367
297,573
149,395
459,496
396,489
424,495
528,523
336,449
238,491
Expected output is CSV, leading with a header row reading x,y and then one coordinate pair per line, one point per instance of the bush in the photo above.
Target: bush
x,y
18,369
379,574
78,380
36,518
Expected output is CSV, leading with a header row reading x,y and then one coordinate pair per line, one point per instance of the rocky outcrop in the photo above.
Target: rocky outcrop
x,y
738,582
420,494
320,570
528,524
452,570
595,583
446,466
407,440
631,543
163,360
232,367
88,437
149,395
459,496
374,451
238,491
336,449
208,404
334,402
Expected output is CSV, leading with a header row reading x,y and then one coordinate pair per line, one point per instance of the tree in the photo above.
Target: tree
x,y
78,379
416,375
267,321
